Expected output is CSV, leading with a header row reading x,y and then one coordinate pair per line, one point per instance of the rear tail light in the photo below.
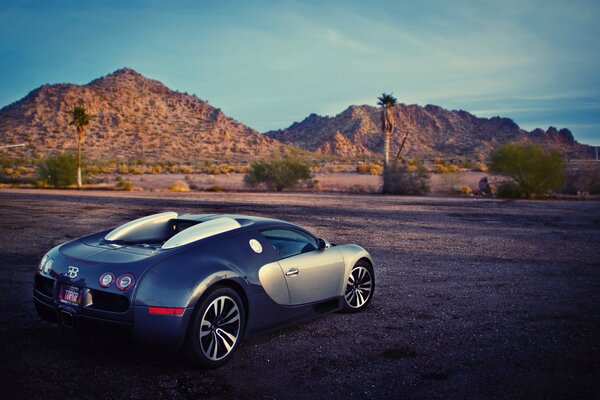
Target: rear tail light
x,y
106,279
166,310
125,281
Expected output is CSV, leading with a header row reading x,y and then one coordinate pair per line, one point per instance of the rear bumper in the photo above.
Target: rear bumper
x,y
163,333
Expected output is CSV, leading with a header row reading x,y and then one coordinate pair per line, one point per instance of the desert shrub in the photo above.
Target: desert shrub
x,y
93,170
405,179
136,170
179,186
584,179
481,167
123,169
363,168
59,170
509,190
534,169
278,174
186,169
465,189
124,184
441,169
215,188
370,168
225,169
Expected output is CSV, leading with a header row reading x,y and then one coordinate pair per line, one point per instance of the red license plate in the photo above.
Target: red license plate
x,y
70,295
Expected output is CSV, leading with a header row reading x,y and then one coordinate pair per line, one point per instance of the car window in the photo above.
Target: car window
x,y
289,242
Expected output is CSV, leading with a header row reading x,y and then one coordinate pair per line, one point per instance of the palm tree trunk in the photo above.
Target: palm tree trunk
x,y
386,149
79,134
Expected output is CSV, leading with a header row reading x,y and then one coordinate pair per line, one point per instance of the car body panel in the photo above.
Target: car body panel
x,y
313,276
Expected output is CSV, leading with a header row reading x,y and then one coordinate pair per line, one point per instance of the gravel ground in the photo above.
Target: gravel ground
x,y
476,299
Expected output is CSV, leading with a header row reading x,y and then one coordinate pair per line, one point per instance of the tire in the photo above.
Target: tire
x,y
360,286
216,328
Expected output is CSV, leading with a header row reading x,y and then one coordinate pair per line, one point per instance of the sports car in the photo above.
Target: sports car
x,y
200,283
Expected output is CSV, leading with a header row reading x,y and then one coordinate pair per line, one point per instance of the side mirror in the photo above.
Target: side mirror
x,y
323,244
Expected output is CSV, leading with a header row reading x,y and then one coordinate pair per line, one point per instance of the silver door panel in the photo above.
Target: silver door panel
x,y
313,276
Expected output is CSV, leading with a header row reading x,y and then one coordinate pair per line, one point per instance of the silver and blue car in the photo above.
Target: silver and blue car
x,y
200,282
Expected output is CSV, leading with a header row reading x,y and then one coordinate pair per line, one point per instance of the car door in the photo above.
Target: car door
x,y
311,274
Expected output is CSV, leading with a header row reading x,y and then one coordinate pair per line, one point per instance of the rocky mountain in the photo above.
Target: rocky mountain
x,y
432,131
140,118
134,118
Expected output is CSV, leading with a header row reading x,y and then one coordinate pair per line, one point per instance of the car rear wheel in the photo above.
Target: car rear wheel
x,y
360,285
216,328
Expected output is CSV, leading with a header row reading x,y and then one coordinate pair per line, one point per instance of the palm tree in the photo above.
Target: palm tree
x,y
387,103
80,119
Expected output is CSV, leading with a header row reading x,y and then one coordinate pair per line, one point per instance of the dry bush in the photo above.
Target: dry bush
x,y
465,189
179,186
186,169
124,184
401,180
481,167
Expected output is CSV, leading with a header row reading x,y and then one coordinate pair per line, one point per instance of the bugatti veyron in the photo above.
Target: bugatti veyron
x,y
200,282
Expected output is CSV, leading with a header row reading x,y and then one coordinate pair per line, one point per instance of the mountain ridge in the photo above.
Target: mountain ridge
x,y
432,131
136,117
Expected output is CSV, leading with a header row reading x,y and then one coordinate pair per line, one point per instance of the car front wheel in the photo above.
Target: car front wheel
x,y
216,328
360,285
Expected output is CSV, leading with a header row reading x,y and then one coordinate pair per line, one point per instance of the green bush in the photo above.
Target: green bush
x,y
405,179
509,190
278,174
534,169
58,170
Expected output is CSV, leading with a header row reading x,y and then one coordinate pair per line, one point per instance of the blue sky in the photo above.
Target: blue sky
x,y
268,64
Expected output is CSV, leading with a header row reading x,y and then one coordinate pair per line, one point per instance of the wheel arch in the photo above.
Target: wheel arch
x,y
230,283
351,254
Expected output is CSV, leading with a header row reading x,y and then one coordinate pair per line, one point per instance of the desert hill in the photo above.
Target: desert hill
x,y
134,118
432,131
140,118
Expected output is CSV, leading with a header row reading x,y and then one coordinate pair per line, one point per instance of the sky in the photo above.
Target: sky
x,y
271,63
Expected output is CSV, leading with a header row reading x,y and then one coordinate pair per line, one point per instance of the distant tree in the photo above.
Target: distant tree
x,y
534,169
278,174
387,103
80,119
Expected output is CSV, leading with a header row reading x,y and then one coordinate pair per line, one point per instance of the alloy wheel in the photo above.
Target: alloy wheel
x,y
220,328
358,287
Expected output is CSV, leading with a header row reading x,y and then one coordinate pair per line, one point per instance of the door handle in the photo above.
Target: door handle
x,y
292,271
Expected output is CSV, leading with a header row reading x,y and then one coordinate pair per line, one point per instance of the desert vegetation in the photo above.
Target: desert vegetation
x,y
278,174
60,170
533,170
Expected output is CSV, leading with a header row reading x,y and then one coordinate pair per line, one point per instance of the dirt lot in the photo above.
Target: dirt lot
x,y
476,299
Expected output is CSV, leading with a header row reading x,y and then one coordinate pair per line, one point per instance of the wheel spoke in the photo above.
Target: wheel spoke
x,y
360,299
216,349
349,295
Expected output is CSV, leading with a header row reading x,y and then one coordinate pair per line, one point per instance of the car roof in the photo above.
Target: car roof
x,y
244,220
